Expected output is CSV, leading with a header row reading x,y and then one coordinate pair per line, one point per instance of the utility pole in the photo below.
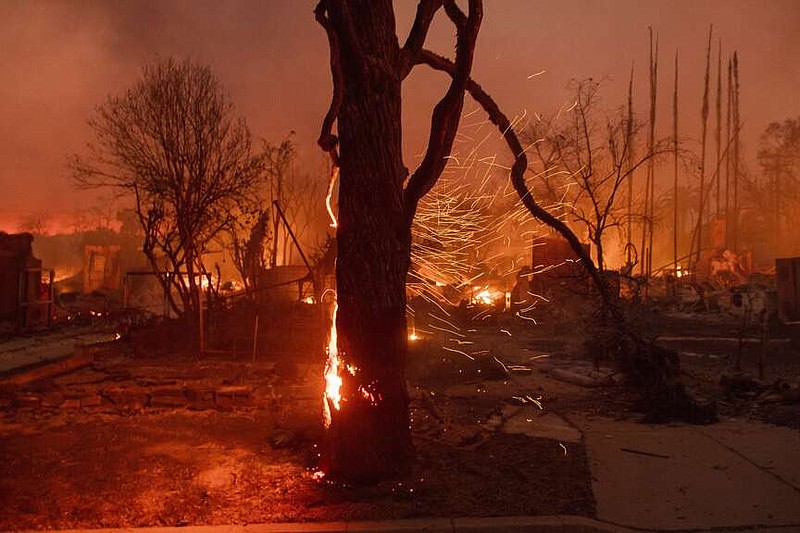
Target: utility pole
x,y
736,147
704,113
675,168
719,124
647,222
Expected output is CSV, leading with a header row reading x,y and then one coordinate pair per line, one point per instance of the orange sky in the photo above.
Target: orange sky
x,y
61,58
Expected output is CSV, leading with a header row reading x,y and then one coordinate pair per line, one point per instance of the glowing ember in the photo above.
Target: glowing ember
x,y
413,336
308,300
368,396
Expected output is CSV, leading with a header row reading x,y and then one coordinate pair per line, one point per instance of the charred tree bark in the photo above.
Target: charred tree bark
x,y
369,437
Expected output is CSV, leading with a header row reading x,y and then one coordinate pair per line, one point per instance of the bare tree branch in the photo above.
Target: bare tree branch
x,y
327,140
426,9
654,368
499,119
446,114
172,142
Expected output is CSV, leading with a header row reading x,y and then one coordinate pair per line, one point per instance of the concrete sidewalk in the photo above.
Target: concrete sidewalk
x,y
512,524
734,474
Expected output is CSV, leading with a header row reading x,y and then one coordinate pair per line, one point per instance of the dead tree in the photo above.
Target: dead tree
x,y
737,126
591,157
629,247
728,140
718,131
654,369
368,436
173,145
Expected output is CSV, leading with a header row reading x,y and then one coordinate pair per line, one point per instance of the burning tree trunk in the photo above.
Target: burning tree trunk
x,y
366,402
369,433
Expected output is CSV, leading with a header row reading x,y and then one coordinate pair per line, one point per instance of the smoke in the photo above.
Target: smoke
x,y
61,58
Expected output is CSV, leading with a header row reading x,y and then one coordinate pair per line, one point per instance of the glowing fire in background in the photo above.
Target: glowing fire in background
x,y
487,296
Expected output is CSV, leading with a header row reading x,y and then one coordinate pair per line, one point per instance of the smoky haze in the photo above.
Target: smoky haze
x,y
61,59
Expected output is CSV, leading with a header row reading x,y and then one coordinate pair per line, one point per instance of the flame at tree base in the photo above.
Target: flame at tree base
x,y
365,404
334,366
333,380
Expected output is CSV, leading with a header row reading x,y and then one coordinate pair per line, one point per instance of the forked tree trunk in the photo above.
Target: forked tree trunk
x,y
368,436
367,442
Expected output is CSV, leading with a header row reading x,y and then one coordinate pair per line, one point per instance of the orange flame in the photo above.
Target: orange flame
x,y
486,296
331,184
333,381
334,369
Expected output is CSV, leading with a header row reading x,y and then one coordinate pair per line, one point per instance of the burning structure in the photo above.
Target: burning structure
x,y
101,268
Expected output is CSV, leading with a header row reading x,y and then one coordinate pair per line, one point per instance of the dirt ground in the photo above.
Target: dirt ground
x,y
152,435
146,437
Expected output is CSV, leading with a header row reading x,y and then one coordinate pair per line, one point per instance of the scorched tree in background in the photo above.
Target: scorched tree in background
x,y
172,144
